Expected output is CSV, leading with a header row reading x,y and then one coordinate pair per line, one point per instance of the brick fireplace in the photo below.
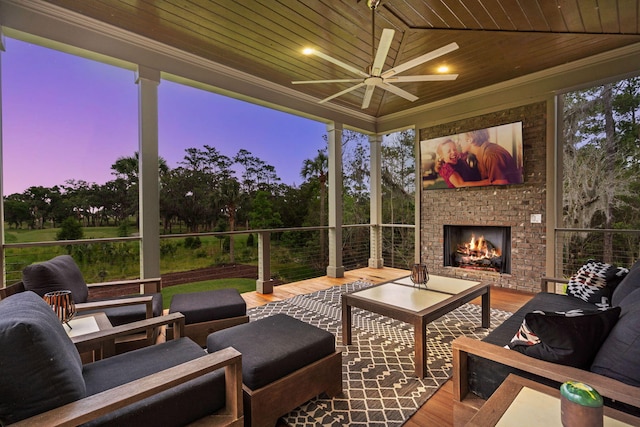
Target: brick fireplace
x,y
511,206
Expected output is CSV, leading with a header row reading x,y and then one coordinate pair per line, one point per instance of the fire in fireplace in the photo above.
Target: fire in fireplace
x,y
486,248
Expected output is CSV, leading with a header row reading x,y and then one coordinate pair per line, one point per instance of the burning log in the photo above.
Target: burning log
x,y
478,254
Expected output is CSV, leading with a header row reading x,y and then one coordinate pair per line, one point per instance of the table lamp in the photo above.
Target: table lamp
x,y
62,304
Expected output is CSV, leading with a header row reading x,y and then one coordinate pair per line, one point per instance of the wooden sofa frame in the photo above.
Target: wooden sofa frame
x,y
95,406
463,346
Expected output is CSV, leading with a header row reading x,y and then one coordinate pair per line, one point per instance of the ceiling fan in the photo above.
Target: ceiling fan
x,y
376,77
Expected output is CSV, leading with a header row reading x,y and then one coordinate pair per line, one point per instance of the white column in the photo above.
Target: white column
x,y
264,284
149,180
418,200
335,267
375,185
2,266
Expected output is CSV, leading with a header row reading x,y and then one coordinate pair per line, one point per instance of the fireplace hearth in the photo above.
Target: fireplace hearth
x,y
484,248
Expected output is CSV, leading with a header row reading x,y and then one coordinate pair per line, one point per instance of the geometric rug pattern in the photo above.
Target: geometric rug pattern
x,y
379,388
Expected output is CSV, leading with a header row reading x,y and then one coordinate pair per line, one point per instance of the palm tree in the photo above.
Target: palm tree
x,y
318,168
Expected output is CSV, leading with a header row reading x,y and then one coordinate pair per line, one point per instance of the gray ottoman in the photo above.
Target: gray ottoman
x,y
285,362
209,311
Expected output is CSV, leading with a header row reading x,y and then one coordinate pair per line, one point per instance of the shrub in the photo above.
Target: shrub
x,y
192,242
168,249
124,229
70,229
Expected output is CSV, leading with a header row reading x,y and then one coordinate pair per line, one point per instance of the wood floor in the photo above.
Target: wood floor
x,y
439,408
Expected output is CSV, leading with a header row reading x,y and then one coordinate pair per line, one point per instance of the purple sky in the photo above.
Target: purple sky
x,y
65,117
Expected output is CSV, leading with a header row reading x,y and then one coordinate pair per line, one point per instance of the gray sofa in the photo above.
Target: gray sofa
x,y
602,349
171,384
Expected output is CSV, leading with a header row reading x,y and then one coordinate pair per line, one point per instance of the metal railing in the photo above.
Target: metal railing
x,y
575,246
294,254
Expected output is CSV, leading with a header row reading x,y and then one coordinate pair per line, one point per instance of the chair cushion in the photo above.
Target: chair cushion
x,y
40,368
273,347
177,406
619,355
57,274
630,283
132,313
209,305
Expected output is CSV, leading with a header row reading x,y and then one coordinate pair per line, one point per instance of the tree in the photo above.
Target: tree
x,y
317,169
600,156
263,215
16,211
229,197
70,229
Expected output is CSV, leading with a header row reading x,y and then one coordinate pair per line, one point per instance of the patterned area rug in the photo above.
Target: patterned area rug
x,y
377,369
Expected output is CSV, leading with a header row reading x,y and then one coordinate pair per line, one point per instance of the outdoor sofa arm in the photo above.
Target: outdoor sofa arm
x,y
104,341
147,286
547,284
95,406
463,346
147,300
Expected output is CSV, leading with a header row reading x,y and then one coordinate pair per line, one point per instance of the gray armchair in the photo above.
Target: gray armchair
x,y
171,384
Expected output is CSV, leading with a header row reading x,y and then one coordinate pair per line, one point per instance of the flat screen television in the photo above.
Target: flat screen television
x,y
483,157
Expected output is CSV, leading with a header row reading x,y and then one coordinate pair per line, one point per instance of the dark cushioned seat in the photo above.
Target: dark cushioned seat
x,y
131,313
62,273
175,407
273,347
40,368
209,305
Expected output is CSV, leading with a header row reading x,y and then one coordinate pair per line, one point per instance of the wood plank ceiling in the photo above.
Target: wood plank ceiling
x,y
499,39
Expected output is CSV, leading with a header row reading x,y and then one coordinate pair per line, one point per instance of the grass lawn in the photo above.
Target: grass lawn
x,y
242,285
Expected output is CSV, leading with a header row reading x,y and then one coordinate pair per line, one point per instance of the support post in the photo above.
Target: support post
x,y
264,284
2,260
375,185
335,267
148,80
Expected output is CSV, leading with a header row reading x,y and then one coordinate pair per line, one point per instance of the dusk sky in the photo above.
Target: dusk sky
x,y
65,117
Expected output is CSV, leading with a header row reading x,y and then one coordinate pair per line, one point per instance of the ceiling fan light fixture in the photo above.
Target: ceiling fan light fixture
x,y
308,51
443,69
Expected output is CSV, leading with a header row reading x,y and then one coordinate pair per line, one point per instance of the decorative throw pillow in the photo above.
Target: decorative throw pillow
x,y
569,338
595,281
524,336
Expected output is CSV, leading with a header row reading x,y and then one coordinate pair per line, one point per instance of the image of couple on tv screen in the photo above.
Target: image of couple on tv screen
x,y
491,156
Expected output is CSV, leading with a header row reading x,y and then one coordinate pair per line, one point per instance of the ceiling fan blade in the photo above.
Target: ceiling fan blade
x,y
383,50
422,78
420,59
342,92
339,63
301,82
396,90
367,96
